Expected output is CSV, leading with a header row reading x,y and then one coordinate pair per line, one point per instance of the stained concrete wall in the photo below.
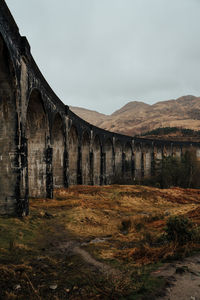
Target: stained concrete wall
x,y
96,161
8,125
36,133
128,163
73,156
118,160
138,163
198,154
177,151
85,161
58,152
109,161
147,156
43,145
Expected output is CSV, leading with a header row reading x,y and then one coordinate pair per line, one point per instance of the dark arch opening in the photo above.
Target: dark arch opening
x,y
36,133
73,155
8,130
109,161
96,161
58,152
85,159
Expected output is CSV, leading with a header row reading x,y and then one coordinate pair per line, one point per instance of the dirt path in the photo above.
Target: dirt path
x,y
183,278
73,247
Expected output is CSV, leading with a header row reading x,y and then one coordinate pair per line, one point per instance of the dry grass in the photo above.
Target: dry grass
x,y
121,226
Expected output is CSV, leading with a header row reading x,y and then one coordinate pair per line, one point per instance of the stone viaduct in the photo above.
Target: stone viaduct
x,y
44,145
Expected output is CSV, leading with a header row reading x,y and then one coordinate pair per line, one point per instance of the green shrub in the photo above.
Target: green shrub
x,y
125,225
180,230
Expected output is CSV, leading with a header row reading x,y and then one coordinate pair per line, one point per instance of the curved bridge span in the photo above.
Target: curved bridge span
x,y
44,145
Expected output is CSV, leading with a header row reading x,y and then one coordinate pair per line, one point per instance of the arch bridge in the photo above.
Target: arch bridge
x,y
44,145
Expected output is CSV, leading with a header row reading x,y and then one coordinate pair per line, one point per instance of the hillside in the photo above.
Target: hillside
x,y
91,116
173,133
138,117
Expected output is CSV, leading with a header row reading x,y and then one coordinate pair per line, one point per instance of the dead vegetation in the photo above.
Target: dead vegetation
x,y
65,248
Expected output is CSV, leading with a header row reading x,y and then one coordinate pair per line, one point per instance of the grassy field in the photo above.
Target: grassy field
x,y
93,243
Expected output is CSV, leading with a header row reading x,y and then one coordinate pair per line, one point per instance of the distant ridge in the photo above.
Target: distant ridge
x,y
137,117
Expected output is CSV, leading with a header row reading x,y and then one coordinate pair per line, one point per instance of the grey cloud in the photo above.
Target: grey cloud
x,y
101,54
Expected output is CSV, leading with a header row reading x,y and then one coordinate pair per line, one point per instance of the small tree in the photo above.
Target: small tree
x,y
169,171
175,171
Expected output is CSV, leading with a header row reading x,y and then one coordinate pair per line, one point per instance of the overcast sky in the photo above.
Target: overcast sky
x,y
101,54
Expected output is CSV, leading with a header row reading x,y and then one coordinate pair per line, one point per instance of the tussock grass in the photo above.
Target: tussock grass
x,y
121,226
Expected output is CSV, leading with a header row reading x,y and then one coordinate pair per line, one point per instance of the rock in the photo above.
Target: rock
x,y
48,215
20,270
192,298
17,287
39,258
167,213
181,270
171,279
99,240
53,286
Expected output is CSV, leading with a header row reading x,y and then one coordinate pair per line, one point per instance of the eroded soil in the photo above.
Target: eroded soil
x,y
183,278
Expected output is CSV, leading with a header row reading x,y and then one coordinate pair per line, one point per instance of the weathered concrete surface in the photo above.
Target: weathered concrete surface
x,y
58,145
85,159
97,154
45,145
118,160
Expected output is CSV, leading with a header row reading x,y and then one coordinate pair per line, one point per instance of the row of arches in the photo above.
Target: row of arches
x,y
91,162
79,159
74,159
41,150
57,156
71,159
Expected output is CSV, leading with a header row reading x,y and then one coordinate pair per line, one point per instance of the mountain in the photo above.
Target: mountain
x,y
137,117
88,115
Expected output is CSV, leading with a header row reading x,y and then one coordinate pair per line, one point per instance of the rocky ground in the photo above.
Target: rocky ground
x,y
183,278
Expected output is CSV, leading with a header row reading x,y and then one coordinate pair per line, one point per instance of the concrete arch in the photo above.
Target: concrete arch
x,y
109,161
8,131
37,131
85,161
57,139
128,162
73,155
118,161
96,160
